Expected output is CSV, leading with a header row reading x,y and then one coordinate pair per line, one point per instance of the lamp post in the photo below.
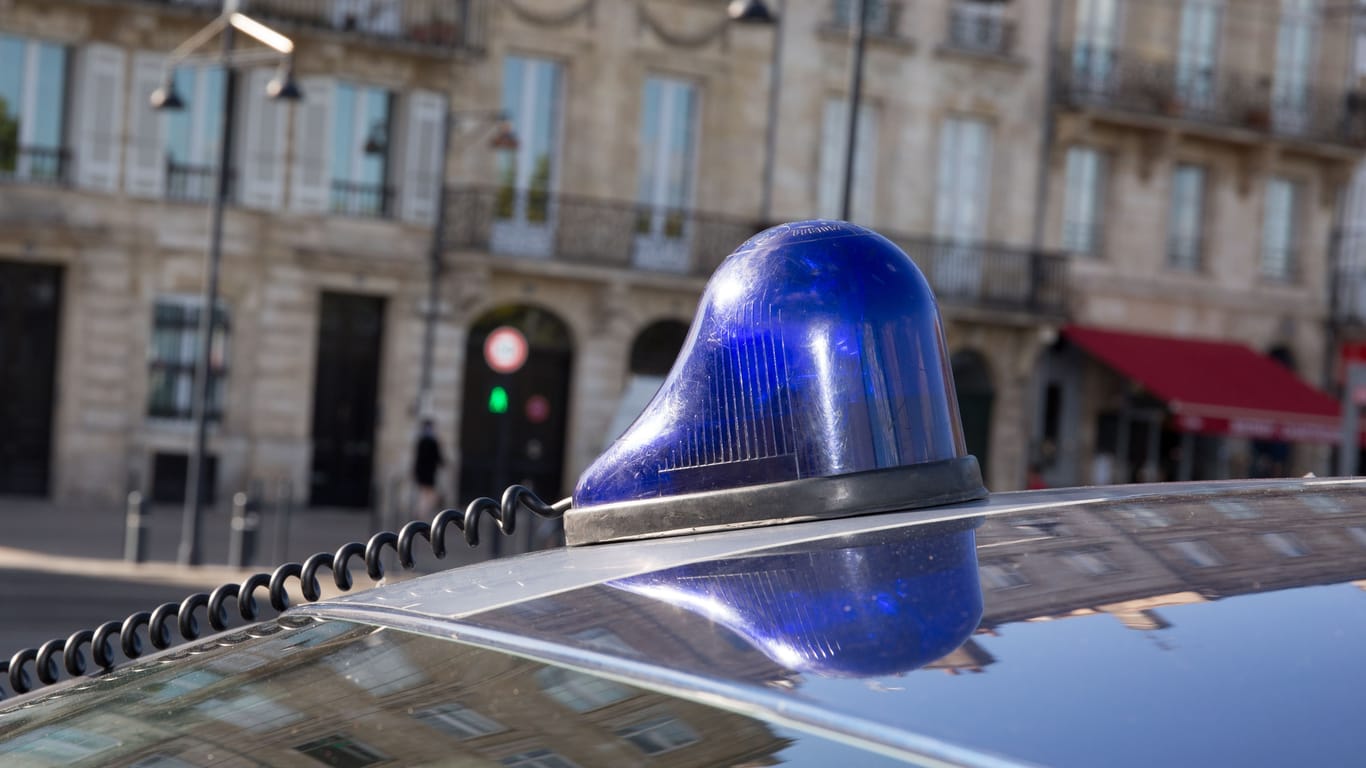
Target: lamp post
x,y
858,32
503,139
282,86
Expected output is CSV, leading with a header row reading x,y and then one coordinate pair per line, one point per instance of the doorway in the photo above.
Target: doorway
x,y
29,307
346,399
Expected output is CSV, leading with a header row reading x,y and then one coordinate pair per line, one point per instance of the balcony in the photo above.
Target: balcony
x,y
1239,106
194,183
44,165
437,25
351,198
532,226
980,28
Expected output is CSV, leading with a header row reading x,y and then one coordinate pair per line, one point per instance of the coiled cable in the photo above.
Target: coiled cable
x,y
49,660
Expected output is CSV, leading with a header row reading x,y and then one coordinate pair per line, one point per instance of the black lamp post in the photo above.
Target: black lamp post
x,y
282,86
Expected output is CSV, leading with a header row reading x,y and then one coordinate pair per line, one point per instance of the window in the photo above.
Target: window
x,y
172,355
1197,57
32,109
341,752
660,735
1285,544
458,721
603,639
1235,510
1358,533
1295,40
531,99
1198,553
1083,201
981,26
1146,517
1097,32
1004,575
664,184
361,128
964,180
1185,221
249,711
877,16
1093,562
1280,231
834,149
537,758
193,133
1323,505
580,692
378,668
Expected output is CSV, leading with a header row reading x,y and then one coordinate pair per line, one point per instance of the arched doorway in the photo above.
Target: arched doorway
x,y
972,381
513,423
652,355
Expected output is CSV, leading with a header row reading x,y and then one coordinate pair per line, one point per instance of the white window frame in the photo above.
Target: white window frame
x,y
29,88
1297,38
1186,217
184,364
659,735
517,233
1197,56
664,225
1084,201
834,150
1281,203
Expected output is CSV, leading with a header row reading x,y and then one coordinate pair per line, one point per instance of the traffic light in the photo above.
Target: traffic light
x,y
498,400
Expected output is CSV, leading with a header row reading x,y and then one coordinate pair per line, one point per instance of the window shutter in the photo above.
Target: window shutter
x,y
145,153
423,172
262,156
310,179
101,117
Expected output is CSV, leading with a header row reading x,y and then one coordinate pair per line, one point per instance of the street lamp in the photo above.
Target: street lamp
x,y
504,139
283,87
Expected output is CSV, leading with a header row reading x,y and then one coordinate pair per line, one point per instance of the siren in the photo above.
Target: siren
x,y
814,383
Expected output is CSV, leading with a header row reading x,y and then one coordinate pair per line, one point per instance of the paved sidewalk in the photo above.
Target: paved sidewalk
x,y
84,539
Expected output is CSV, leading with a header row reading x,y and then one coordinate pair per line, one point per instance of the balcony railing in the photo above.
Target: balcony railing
x,y
351,198
624,235
1108,79
881,18
980,27
194,183
437,24
38,164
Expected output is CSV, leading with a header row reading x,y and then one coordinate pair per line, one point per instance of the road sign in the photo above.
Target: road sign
x,y
537,409
505,350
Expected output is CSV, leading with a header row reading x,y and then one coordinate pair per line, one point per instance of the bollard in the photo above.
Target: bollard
x,y
245,524
134,530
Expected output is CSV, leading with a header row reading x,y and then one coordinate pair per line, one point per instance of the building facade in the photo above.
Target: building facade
x,y
640,163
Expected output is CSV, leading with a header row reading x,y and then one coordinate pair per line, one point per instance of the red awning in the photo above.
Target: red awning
x,y
1214,387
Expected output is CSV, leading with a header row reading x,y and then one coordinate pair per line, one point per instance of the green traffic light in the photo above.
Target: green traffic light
x,y
498,400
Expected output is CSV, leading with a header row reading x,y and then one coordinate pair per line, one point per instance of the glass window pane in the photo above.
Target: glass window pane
x,y
343,130
179,121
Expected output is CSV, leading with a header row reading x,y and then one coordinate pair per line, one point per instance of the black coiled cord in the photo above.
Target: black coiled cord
x,y
52,657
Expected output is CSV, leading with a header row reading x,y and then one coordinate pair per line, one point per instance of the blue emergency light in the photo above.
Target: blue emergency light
x,y
814,383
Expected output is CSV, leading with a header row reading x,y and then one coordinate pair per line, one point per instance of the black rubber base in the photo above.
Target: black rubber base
x,y
816,498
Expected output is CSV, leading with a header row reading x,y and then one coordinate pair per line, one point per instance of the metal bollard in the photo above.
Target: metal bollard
x,y
245,527
134,530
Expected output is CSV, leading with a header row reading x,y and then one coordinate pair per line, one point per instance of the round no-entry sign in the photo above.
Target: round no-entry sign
x,y
505,349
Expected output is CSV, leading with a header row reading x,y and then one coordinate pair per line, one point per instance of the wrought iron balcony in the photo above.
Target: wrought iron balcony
x,y
433,24
47,165
980,27
1100,78
536,225
351,198
194,183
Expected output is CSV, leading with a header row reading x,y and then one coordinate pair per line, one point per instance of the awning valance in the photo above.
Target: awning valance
x,y
1216,387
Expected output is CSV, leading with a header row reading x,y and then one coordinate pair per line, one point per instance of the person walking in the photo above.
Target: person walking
x,y
427,459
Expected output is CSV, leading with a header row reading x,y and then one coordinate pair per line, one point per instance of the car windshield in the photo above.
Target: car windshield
x,y
309,693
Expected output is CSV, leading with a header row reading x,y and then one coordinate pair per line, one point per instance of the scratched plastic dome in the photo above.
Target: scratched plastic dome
x,y
817,351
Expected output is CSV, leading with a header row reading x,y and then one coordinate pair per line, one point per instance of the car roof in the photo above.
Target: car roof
x,y
1130,625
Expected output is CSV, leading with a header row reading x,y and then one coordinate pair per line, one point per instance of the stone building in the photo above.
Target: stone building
x,y
1198,154
640,162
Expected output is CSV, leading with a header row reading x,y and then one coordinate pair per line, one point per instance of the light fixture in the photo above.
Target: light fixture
x,y
283,87
166,96
376,140
815,383
750,12
504,138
